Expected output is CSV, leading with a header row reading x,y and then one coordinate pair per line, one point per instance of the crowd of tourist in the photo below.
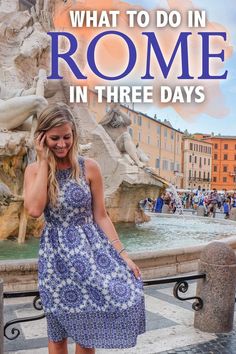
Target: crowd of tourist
x,y
210,201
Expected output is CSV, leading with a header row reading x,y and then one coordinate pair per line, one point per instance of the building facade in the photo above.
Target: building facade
x,y
159,140
223,161
197,163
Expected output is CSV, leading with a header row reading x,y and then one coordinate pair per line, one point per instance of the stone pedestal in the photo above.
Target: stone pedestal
x,y
1,316
165,209
232,214
217,290
201,210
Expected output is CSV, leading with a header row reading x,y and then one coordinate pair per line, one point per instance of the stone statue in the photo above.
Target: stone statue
x,y
115,123
16,106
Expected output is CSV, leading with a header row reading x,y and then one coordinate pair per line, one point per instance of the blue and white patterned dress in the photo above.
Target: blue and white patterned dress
x,y
87,290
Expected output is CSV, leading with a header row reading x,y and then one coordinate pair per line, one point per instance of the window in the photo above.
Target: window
x,y
215,168
209,162
131,132
225,157
216,146
226,146
200,162
195,159
195,174
178,138
204,175
139,120
149,140
209,150
224,179
172,166
190,158
165,132
139,136
172,135
200,174
215,157
208,175
135,120
225,168
158,129
157,163
190,173
165,165
204,161
214,179
95,101
191,146
158,143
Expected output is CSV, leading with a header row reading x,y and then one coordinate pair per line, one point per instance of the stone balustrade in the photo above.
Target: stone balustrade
x,y
22,274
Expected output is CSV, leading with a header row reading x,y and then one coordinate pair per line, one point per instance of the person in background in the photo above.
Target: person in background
x,y
159,204
227,208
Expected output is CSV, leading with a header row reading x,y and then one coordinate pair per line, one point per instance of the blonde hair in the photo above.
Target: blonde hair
x,y
54,116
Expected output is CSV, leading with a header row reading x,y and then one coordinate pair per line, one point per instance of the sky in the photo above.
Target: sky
x,y
224,13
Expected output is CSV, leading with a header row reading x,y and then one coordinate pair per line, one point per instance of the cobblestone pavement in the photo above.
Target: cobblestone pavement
x,y
169,328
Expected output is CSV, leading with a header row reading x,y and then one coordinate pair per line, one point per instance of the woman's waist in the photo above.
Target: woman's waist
x,y
67,223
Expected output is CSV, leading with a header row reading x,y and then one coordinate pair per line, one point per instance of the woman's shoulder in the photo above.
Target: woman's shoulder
x,y
92,168
91,163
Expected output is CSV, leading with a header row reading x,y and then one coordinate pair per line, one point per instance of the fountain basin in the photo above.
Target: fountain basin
x,y
162,247
19,275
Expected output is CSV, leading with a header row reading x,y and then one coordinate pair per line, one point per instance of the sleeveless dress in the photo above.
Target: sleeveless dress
x,y
87,290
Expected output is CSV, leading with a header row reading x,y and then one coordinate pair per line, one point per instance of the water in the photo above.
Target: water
x,y
178,201
10,249
162,232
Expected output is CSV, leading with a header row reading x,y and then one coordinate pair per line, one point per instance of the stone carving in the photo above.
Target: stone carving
x,y
115,123
5,194
16,106
25,54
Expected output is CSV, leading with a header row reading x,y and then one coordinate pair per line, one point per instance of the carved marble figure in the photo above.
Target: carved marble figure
x,y
115,122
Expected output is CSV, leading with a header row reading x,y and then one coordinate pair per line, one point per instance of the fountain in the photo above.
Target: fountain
x,y
178,201
26,51
25,61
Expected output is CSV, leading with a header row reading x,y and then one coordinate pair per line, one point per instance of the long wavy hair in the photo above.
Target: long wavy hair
x,y
54,116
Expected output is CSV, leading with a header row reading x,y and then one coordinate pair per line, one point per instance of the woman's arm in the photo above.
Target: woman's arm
x,y
93,174
35,188
36,180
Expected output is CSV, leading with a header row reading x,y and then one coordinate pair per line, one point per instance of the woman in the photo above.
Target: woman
x,y
90,289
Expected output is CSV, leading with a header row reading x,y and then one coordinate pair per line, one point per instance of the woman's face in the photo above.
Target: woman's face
x,y
59,140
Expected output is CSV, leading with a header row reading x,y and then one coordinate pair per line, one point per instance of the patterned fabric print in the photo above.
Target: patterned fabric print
x,y
87,290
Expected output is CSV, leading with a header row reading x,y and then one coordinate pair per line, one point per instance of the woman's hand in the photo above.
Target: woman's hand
x,y
133,267
40,147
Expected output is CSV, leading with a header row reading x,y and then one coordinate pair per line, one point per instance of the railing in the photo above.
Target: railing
x,y
15,332
181,285
199,179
